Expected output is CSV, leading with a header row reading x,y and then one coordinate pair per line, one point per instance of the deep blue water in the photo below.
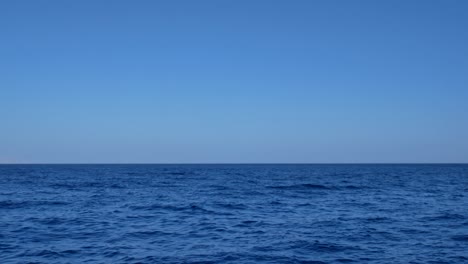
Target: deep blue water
x,y
234,213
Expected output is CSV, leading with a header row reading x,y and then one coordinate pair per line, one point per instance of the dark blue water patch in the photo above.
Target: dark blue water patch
x,y
12,204
176,173
231,206
459,259
463,238
445,217
166,208
48,221
233,214
300,187
353,187
323,247
9,204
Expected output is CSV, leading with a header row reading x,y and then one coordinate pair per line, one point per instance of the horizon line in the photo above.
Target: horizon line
x,y
240,163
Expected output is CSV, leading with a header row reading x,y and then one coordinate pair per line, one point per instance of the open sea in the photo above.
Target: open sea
x,y
233,214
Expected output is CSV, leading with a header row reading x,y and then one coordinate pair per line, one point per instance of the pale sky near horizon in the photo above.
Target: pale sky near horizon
x,y
233,81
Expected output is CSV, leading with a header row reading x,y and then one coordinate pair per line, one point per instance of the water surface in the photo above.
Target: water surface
x,y
233,213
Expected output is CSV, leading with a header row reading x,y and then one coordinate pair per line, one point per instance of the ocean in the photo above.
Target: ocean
x,y
234,213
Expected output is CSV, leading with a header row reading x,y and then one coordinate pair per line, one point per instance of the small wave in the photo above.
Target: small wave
x,y
345,260
379,219
150,216
48,221
304,186
176,173
93,184
219,187
10,204
446,216
460,258
70,252
354,187
235,173
249,223
64,185
232,206
413,231
5,247
168,207
463,238
318,246
41,253
152,233
112,253
153,207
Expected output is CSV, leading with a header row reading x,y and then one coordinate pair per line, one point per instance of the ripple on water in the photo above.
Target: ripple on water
x,y
463,238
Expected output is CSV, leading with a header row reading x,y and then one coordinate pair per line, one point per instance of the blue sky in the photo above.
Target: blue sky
x,y
233,81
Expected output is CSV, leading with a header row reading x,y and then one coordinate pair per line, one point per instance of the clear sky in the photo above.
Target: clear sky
x,y
233,81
